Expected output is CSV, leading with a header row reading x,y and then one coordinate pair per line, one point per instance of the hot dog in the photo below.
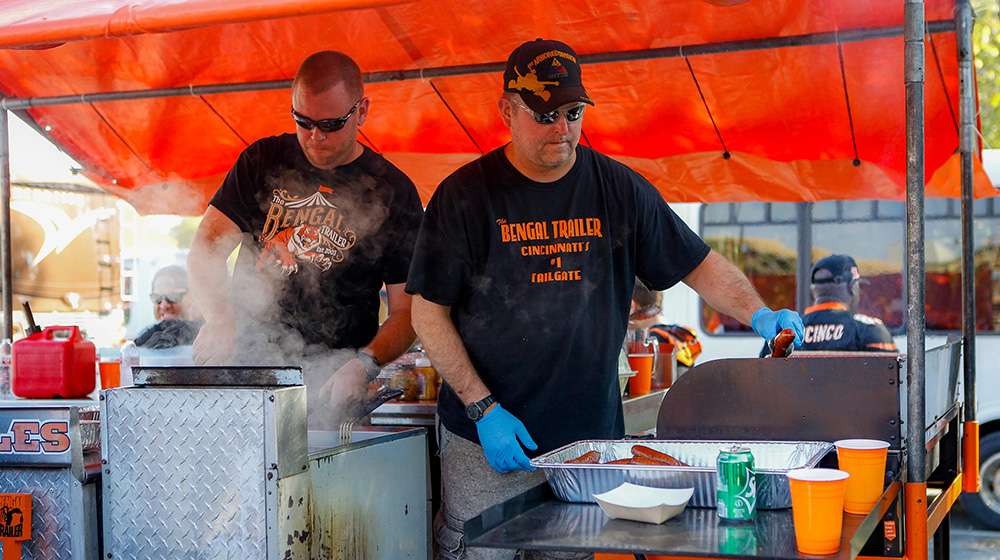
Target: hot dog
x,y
781,346
588,458
643,452
625,461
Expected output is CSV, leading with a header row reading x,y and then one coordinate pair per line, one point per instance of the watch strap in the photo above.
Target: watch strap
x,y
476,410
372,369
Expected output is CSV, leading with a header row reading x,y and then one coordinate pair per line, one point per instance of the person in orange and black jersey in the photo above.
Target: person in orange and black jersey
x,y
832,324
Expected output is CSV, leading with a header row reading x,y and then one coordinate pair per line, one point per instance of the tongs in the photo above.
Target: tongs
x,y
781,345
382,396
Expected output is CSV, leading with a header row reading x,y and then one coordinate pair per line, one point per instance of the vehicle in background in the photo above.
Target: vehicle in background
x,y
770,242
65,257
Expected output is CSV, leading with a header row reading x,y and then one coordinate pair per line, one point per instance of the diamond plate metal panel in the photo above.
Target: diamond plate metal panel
x,y
51,508
185,474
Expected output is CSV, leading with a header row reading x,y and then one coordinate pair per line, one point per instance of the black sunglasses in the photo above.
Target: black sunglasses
x,y
572,114
325,125
171,298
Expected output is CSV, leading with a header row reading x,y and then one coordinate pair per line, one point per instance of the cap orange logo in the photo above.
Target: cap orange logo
x,y
531,83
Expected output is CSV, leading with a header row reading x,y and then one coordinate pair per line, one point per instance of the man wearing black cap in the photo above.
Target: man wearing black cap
x,y
831,323
523,274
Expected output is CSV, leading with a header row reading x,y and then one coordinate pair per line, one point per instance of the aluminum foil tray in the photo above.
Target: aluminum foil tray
x,y
772,459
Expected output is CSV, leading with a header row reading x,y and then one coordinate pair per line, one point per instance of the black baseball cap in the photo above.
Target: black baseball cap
x,y
546,74
835,268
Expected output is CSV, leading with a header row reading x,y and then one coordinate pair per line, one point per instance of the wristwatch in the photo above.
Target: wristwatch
x,y
476,410
372,369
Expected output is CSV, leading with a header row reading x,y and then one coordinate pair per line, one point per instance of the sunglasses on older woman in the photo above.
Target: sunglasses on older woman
x,y
324,125
172,299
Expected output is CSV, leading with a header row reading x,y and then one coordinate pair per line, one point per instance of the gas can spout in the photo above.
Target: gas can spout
x,y
30,318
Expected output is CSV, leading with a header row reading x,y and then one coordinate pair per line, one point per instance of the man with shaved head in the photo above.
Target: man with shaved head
x,y
324,223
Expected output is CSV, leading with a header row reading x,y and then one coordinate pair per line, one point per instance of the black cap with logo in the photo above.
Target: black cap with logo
x,y
835,268
546,74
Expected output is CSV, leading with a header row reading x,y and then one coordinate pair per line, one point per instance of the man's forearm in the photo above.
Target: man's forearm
x,y
394,337
725,288
437,332
209,284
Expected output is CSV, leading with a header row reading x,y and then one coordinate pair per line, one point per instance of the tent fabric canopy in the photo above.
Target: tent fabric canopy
x,y
780,124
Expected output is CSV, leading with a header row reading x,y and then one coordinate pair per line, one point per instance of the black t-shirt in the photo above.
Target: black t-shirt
x,y
323,241
539,278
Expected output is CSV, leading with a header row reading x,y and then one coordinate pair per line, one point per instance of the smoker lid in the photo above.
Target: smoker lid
x,y
239,376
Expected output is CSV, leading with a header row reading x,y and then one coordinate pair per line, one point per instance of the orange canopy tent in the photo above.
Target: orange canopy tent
x,y
710,99
788,100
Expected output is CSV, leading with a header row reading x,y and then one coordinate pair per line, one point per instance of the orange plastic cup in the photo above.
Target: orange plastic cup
x,y
642,382
817,508
111,374
864,459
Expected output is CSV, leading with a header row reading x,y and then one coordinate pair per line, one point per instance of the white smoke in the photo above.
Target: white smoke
x,y
256,289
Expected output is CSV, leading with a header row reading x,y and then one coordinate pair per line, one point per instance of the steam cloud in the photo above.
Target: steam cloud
x,y
256,293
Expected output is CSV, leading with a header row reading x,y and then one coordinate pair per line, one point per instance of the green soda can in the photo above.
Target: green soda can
x,y
736,489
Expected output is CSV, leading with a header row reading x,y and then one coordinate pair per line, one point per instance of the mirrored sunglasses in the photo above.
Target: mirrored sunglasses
x,y
572,114
325,125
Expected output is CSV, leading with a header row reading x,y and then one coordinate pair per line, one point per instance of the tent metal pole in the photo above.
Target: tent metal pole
x,y
915,327
387,76
6,270
967,147
915,487
803,268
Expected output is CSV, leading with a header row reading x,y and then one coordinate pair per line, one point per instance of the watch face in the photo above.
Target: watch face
x,y
473,412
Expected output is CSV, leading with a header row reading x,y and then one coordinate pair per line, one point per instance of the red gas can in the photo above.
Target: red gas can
x,y
54,363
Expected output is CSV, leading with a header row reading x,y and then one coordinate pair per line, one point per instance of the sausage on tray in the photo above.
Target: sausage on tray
x,y
625,461
643,452
588,458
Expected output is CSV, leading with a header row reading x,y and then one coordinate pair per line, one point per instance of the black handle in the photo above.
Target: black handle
x,y
384,395
30,317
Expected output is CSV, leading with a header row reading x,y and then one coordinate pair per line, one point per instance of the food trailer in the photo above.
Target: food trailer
x,y
798,102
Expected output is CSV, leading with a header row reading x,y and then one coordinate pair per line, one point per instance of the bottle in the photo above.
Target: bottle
x,y
428,378
130,359
5,362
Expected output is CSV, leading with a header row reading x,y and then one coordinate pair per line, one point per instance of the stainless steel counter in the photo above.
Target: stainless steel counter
x,y
405,413
640,413
45,403
371,498
536,520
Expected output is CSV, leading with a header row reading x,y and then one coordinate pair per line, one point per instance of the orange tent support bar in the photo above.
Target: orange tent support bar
x,y
915,504
971,482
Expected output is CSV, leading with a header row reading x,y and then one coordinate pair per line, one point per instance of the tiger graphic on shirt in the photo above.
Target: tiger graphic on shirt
x,y
304,230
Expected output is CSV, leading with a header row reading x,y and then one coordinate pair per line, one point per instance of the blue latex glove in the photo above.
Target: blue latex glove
x,y
499,432
769,323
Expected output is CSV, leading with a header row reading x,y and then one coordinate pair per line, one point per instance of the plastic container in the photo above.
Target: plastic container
x,y
427,378
110,360
54,363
